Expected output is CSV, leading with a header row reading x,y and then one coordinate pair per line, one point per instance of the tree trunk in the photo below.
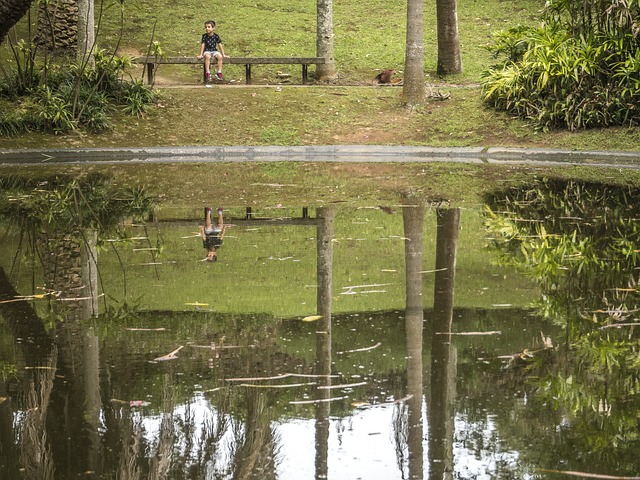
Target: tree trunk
x,y
413,221
414,90
86,32
324,40
58,25
11,11
449,59
324,248
443,354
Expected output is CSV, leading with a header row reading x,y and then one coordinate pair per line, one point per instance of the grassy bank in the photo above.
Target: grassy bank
x,y
328,115
347,111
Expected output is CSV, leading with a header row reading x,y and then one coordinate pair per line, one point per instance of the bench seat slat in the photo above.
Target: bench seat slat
x,y
151,61
233,60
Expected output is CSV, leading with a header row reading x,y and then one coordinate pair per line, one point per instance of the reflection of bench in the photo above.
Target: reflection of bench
x,y
249,220
151,62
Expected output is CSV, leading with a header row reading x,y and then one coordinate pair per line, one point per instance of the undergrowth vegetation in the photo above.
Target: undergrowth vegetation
x,y
581,69
65,96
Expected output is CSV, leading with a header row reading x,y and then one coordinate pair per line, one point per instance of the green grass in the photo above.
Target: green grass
x,y
369,34
347,111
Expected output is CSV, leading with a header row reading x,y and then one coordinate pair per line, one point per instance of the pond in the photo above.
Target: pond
x,y
405,341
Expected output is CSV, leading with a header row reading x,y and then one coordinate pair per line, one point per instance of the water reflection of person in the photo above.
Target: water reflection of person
x,y
212,235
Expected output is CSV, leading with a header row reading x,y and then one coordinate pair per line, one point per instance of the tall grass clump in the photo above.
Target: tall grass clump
x,y
61,97
579,70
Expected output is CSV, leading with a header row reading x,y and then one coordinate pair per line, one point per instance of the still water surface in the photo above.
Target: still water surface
x,y
408,341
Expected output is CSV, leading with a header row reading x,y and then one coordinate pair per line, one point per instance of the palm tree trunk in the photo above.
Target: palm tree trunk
x,y
414,90
449,59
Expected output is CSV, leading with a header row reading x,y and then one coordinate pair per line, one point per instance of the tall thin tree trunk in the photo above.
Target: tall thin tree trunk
x,y
413,221
86,32
414,89
324,249
449,58
324,40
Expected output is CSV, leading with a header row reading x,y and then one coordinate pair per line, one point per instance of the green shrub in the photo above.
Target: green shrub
x,y
566,74
72,96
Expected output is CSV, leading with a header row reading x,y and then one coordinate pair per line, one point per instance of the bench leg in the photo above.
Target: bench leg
x,y
304,73
247,68
204,73
150,73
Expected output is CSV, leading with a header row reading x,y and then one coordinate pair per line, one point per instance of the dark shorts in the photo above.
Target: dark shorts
x,y
212,240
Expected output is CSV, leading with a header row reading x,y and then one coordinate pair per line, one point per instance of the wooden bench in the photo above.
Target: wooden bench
x,y
151,63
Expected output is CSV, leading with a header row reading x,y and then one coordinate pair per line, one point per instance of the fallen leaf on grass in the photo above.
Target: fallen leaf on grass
x,y
312,318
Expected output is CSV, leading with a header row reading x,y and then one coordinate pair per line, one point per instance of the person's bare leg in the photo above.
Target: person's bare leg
x,y
220,63
207,220
220,219
207,63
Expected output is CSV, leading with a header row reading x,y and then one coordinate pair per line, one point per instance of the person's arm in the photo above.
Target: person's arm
x,y
201,50
222,51
224,229
202,232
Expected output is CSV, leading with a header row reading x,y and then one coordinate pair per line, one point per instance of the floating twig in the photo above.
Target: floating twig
x,y
364,349
278,377
284,385
433,271
213,346
344,385
322,400
133,329
588,475
169,356
494,332
613,325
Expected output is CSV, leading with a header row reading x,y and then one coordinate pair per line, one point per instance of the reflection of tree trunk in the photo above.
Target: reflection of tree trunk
x,y
325,232
8,454
92,405
255,458
24,323
160,463
70,268
36,460
38,351
413,218
443,359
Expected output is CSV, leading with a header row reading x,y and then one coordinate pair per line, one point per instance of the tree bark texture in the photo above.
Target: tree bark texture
x,y
58,25
449,57
11,11
86,32
414,89
324,40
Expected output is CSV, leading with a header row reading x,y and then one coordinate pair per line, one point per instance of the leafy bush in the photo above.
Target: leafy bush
x,y
570,73
70,96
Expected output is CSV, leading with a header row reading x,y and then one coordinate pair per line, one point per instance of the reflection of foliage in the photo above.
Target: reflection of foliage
x,y
579,242
66,203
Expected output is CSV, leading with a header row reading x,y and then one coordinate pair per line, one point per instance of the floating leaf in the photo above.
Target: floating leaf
x,y
312,318
197,304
